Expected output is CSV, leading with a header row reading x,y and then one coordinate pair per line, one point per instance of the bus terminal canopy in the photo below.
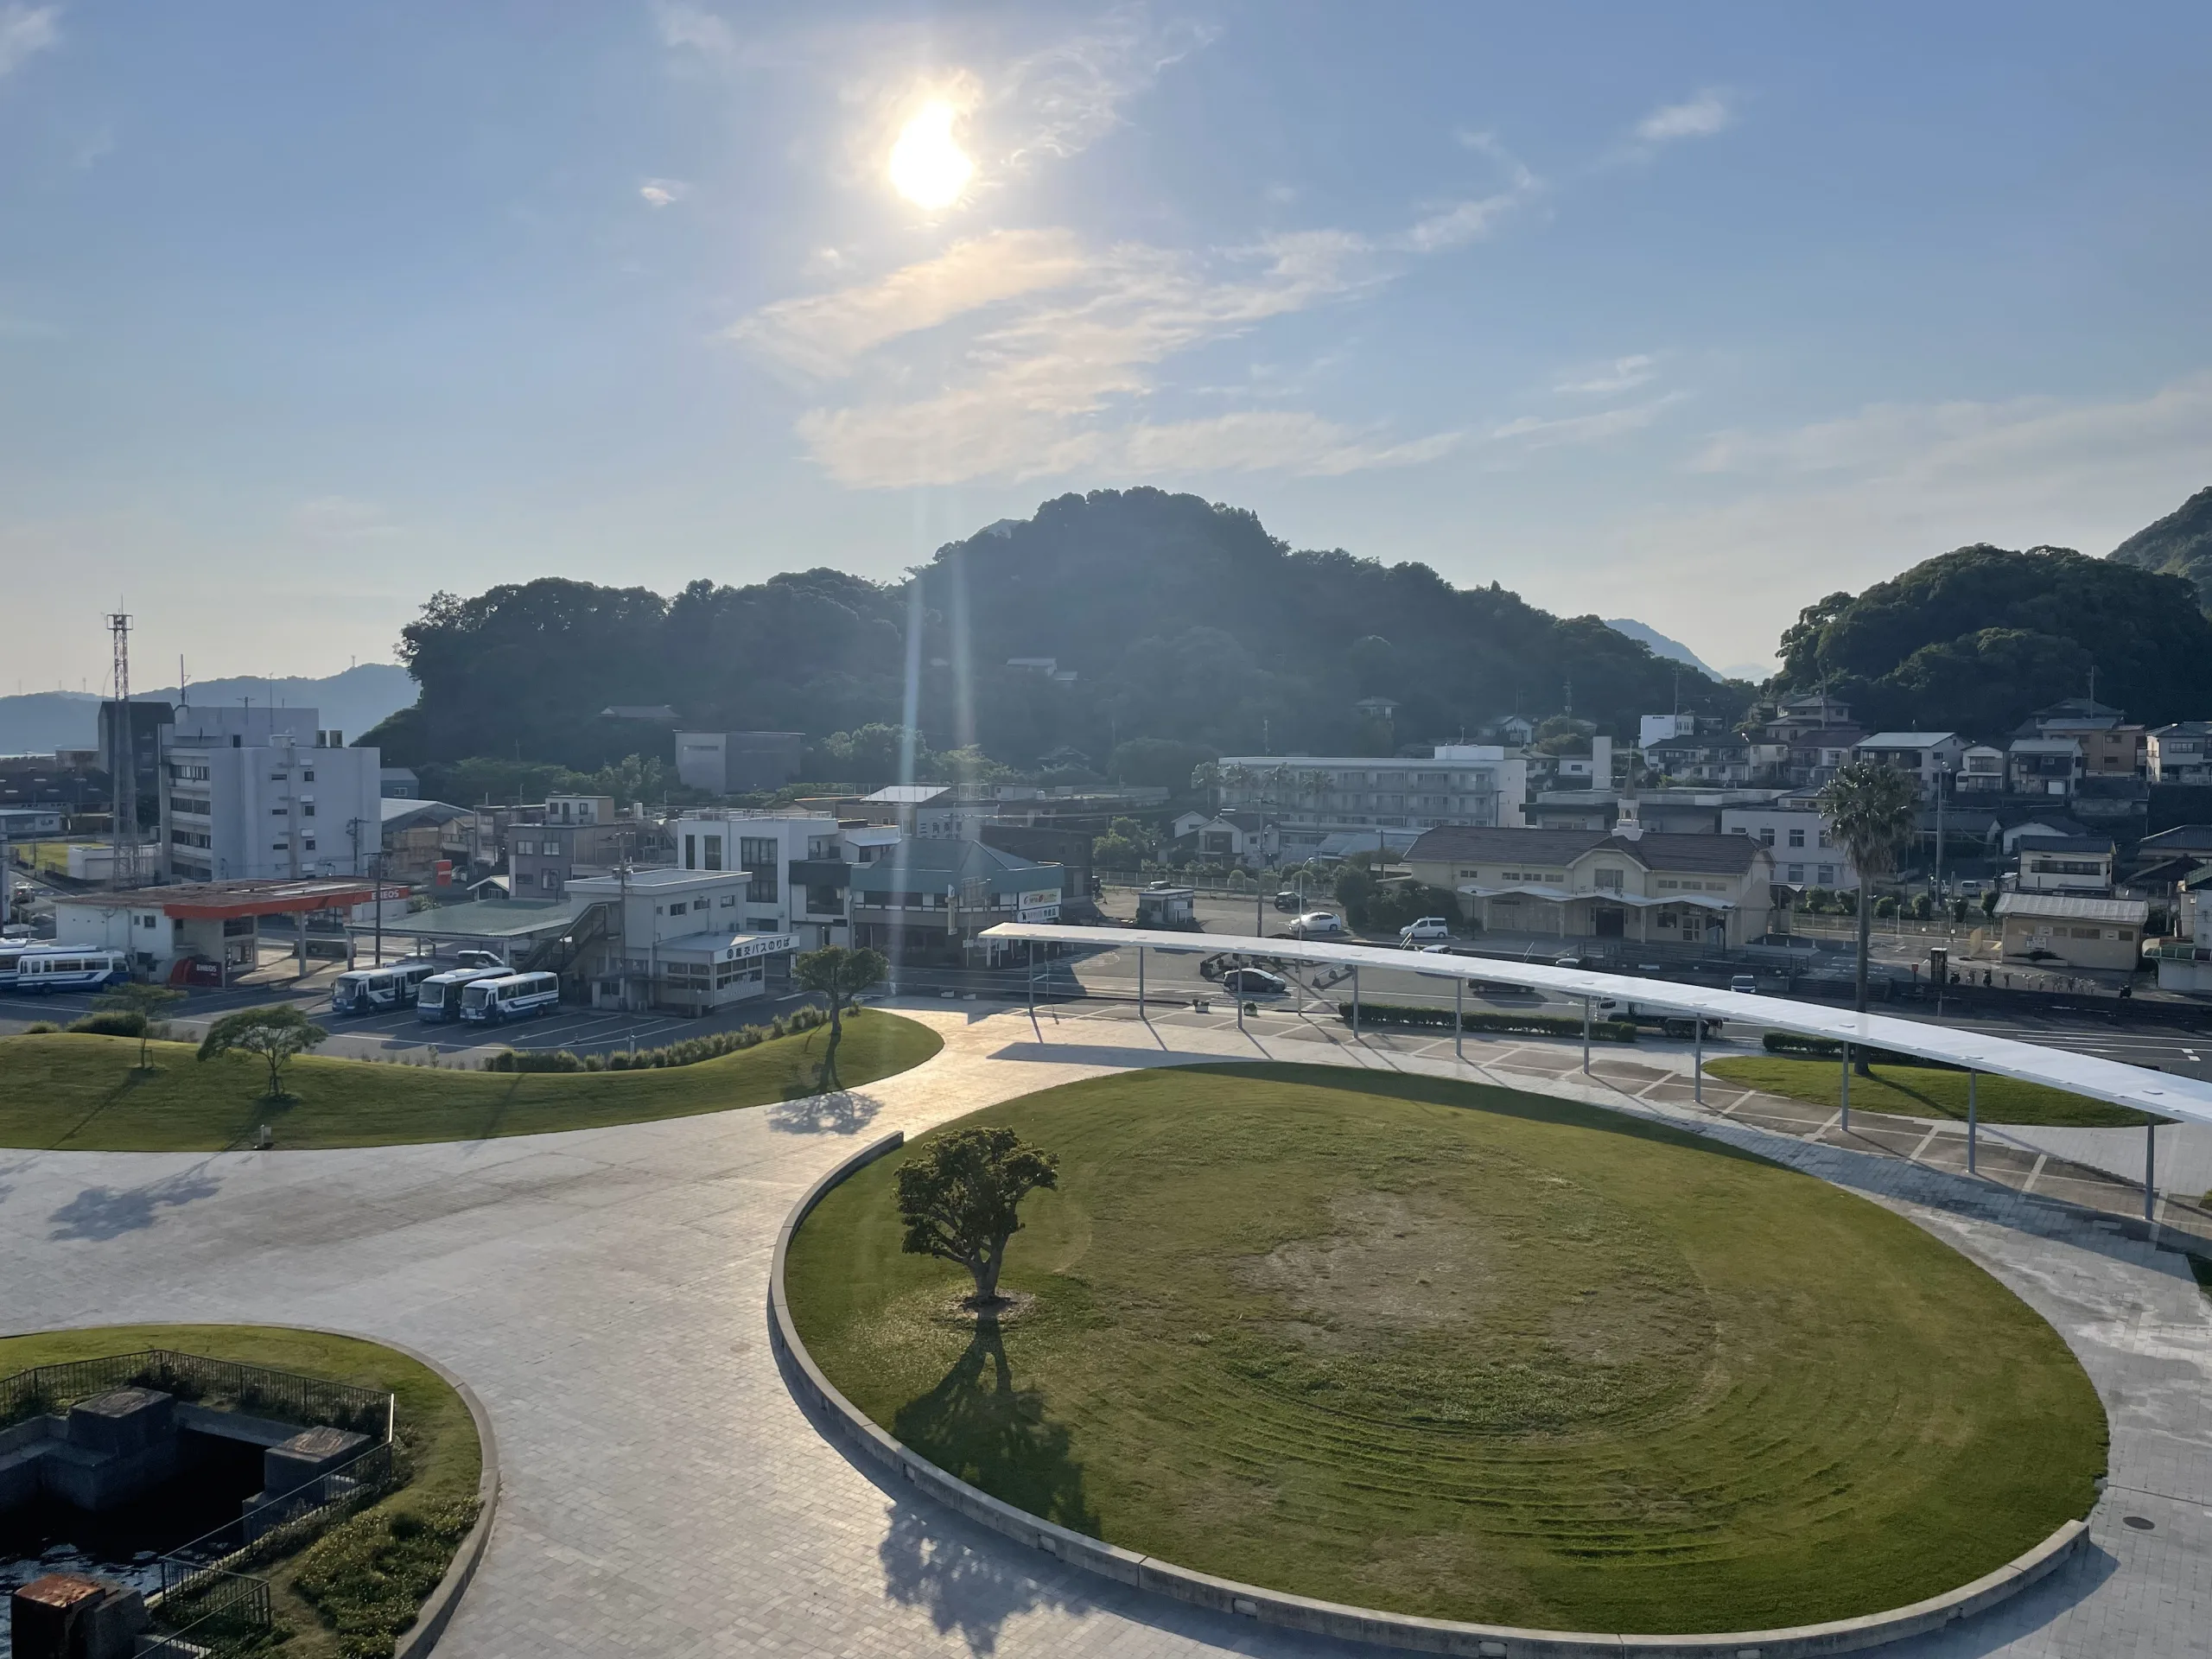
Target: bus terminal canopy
x,y
2146,1091
209,901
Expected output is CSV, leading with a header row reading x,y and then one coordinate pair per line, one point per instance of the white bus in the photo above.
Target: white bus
x,y
36,970
438,998
371,991
509,997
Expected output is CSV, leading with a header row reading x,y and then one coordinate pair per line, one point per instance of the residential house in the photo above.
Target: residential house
x,y
1379,801
1718,758
2044,766
2185,956
2079,864
1235,837
2180,753
1926,755
2110,747
424,840
1799,836
1652,889
1791,718
1981,771
2062,929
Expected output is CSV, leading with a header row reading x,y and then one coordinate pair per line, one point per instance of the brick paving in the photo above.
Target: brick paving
x,y
604,1291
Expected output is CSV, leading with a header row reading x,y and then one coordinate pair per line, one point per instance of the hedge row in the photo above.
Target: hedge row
x,y
1828,1048
1519,1025
689,1052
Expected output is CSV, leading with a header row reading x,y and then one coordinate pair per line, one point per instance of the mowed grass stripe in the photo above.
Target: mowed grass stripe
x,y
1925,1091
1469,1353
84,1094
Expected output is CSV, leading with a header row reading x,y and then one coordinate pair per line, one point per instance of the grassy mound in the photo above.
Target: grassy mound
x,y
1927,1091
333,1613
1468,1353
85,1093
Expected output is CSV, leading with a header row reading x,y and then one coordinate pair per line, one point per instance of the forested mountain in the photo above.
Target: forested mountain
x,y
2179,544
1164,617
1975,640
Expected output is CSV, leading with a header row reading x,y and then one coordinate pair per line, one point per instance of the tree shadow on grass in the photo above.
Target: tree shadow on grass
x,y
104,1212
977,1425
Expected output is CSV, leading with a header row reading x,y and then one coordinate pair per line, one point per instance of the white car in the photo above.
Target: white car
x,y
1426,931
1318,923
1744,984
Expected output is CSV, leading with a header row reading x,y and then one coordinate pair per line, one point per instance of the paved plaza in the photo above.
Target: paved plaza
x,y
604,1291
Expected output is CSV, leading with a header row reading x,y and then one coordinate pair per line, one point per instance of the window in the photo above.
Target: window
x,y
308,777
1766,837
762,924
714,852
526,849
761,889
280,846
754,852
1825,841
548,879
690,852
698,904
308,844
1828,875
1797,872
306,810
1609,880
729,901
279,812
1796,837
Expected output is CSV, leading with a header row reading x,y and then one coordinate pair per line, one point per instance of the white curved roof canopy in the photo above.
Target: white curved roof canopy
x,y
2168,1095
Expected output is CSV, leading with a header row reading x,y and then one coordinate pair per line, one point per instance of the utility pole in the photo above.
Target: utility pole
x,y
122,756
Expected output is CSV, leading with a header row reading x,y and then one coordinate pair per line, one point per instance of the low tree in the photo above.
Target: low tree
x,y
276,1034
838,972
959,1198
147,1001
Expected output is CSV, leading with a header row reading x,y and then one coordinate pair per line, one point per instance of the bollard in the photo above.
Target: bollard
x,y
1847,1087
1973,1125
1459,1020
1585,1034
1698,1058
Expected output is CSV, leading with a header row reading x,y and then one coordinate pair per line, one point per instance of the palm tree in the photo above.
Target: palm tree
x,y
1874,811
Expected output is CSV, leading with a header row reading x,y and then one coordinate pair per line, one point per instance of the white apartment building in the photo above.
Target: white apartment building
x,y
679,939
1804,844
1333,803
261,794
796,865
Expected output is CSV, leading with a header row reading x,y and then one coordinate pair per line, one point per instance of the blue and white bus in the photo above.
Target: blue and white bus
x,y
509,997
438,998
373,990
39,969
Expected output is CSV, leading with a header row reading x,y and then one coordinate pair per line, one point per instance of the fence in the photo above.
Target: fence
x,y
228,1614
273,1529
253,1389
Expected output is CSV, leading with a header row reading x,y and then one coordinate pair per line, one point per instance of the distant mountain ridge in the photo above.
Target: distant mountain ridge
x,y
1673,650
2179,544
38,722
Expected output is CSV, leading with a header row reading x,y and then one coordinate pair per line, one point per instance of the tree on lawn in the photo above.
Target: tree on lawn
x,y
959,1196
1874,811
838,972
275,1033
147,1001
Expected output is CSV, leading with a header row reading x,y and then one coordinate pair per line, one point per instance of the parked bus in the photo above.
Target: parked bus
x,y
438,998
36,970
509,997
373,990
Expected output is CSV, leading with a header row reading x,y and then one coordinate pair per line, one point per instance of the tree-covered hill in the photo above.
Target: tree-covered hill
x,y
2179,544
1975,640
1177,620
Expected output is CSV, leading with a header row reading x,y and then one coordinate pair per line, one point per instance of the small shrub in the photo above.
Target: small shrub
x,y
689,1052
1524,1025
1885,907
117,1023
41,1028
368,1577
1826,1048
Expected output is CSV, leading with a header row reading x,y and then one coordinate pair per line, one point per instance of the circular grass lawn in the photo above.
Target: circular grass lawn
x,y
1465,1353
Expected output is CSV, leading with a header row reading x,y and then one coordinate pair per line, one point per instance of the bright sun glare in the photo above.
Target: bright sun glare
x,y
927,168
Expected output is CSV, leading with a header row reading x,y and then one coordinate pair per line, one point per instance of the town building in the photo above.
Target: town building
x,y
2110,747
213,926
927,900
1715,759
1379,802
2044,766
1630,885
2078,864
425,842
676,938
1799,836
1926,755
260,794
2185,956
399,784
2051,929
2180,753
739,763
1246,837
1981,771
794,867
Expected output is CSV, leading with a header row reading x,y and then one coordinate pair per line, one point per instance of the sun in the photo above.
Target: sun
x,y
926,167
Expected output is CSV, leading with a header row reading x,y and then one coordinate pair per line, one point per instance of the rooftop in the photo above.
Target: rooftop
x,y
2084,846
1654,850
2045,745
908,794
2182,838
1907,739
2058,907
206,901
485,919
655,878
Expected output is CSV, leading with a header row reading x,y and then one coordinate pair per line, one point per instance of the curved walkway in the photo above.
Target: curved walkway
x,y
604,1292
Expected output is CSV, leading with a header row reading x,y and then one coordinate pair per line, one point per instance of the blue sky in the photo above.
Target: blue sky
x,y
1690,314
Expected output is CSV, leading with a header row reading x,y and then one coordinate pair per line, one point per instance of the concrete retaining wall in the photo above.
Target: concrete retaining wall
x,y
1334,1618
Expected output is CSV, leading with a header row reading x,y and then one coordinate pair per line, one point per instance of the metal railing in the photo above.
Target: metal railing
x,y
255,1390
274,1527
227,1614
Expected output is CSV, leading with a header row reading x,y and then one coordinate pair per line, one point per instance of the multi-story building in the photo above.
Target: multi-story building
x,y
2081,864
1926,755
1657,889
259,794
1343,803
739,763
797,865
927,900
2180,753
2044,766
1981,771
1801,838
676,938
1718,759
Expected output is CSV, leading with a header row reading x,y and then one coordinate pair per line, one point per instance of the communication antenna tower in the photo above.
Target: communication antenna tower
x,y
122,759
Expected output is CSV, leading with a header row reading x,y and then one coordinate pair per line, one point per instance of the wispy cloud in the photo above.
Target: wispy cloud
x,y
25,31
1544,432
1069,95
1700,117
1622,374
663,192
688,28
